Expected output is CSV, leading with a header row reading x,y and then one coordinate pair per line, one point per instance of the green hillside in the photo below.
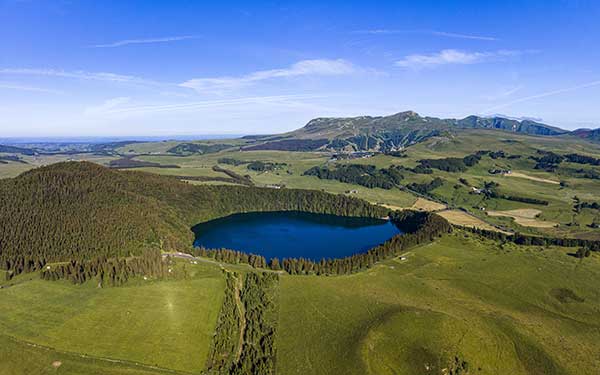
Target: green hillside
x,y
460,301
80,211
427,301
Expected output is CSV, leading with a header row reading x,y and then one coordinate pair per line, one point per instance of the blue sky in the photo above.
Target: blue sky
x,y
120,68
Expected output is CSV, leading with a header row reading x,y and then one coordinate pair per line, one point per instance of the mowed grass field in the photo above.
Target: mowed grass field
x,y
167,324
510,310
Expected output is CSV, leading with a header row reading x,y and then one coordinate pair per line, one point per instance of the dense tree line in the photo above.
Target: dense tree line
x,y
364,175
582,159
547,160
497,154
231,256
593,205
451,164
82,211
418,228
445,164
253,165
232,161
529,240
425,187
243,180
262,166
245,333
397,154
258,350
112,272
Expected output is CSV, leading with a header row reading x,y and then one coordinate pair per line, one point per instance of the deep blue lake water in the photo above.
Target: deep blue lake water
x,y
294,234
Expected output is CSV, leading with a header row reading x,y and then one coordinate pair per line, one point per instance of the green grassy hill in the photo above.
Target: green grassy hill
x,y
461,301
502,309
81,211
459,305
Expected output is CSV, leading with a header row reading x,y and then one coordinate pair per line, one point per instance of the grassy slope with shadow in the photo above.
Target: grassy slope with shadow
x,y
462,296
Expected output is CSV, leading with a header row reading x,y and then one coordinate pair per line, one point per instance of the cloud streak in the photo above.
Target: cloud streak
x,y
79,74
10,86
452,57
543,95
426,32
115,107
318,67
127,42
504,93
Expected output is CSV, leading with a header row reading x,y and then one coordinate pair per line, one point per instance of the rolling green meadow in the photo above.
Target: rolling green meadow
x,y
459,305
498,308
167,324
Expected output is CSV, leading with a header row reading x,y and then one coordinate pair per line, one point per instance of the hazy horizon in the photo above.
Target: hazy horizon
x,y
128,68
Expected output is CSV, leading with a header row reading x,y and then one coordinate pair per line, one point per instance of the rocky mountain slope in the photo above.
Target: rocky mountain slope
x,y
384,133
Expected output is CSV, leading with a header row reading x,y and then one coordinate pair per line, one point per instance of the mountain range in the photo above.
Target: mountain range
x,y
384,133
367,133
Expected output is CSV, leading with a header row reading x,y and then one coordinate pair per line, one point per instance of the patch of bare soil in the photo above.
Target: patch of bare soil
x,y
462,218
423,204
525,217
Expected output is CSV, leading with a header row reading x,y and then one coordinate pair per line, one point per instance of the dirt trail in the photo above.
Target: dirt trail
x,y
532,178
242,312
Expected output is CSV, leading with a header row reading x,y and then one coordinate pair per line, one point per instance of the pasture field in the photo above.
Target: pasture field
x,y
501,309
18,358
167,324
460,301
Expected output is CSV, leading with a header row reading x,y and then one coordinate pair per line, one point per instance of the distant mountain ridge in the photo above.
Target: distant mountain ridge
x,y
589,134
383,133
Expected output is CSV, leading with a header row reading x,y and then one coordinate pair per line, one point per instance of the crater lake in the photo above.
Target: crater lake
x,y
294,234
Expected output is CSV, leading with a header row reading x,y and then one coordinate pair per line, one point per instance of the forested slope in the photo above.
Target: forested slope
x,y
77,211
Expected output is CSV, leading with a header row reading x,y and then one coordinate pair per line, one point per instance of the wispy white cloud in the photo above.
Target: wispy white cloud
x,y
504,93
10,86
321,67
118,107
79,74
463,36
543,95
126,42
427,32
107,106
452,56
